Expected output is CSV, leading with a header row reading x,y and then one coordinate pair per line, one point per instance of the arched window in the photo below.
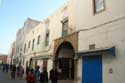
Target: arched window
x,y
38,40
33,44
47,38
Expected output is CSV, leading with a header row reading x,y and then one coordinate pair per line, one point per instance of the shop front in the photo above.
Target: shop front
x,y
92,64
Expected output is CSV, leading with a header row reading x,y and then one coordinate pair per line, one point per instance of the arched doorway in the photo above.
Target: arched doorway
x,y
64,61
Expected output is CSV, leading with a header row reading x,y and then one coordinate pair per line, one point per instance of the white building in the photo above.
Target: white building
x,y
100,25
29,24
11,53
89,41
35,46
83,39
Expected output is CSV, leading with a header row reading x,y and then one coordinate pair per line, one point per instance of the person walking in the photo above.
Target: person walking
x,y
7,67
41,77
30,78
37,74
21,72
13,72
45,76
53,75
27,70
18,71
3,67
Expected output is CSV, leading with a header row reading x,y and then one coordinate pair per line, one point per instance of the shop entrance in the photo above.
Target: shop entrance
x,y
92,69
64,61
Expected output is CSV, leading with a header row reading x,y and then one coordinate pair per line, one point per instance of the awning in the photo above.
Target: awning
x,y
98,51
41,57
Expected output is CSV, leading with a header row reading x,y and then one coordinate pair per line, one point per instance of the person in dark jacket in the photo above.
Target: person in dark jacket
x,y
27,70
45,76
10,67
53,76
41,77
7,67
4,67
17,71
13,71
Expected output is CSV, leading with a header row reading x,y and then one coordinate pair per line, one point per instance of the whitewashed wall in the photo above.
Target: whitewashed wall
x,y
49,66
55,25
109,31
33,34
82,16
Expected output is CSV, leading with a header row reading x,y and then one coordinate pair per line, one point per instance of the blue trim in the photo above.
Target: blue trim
x,y
98,52
112,50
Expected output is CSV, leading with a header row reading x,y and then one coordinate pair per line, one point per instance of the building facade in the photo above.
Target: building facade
x,y
29,24
100,25
11,54
36,44
83,39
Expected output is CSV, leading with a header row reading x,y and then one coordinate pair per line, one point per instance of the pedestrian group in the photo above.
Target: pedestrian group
x,y
35,76
32,75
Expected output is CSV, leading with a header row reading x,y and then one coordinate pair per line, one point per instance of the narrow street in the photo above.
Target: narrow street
x,y
5,78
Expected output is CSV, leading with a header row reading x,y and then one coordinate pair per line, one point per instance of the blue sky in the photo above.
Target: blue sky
x,y
13,13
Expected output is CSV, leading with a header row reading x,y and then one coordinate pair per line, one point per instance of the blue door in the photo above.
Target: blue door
x,y
92,69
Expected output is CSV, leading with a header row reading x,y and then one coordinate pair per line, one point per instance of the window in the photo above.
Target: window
x,y
27,63
35,63
23,60
24,48
38,40
45,64
98,6
29,44
33,44
65,27
47,38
